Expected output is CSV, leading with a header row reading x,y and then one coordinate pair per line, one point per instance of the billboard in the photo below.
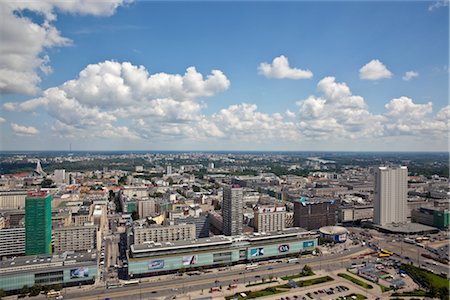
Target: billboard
x,y
283,248
79,273
257,252
308,244
189,260
156,264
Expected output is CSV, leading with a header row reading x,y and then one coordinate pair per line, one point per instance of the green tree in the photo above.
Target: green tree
x,y
2,293
182,270
217,206
443,293
24,290
196,188
307,270
135,215
35,290
47,183
170,180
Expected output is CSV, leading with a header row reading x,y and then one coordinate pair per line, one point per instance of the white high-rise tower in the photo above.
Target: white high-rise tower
x,y
391,194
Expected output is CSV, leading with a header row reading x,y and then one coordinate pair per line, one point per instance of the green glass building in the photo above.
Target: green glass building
x,y
38,224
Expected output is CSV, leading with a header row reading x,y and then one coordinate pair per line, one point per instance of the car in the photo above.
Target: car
x,y
154,292
270,268
257,276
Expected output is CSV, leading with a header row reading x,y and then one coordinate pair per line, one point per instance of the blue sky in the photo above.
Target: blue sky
x,y
331,39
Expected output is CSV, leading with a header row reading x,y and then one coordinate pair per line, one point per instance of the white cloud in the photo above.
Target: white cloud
x,y
2,120
23,130
24,42
374,70
438,4
279,68
409,75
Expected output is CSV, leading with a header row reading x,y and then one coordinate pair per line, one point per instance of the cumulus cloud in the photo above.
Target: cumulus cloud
x,y
2,120
23,130
438,4
279,69
25,41
108,91
409,75
374,70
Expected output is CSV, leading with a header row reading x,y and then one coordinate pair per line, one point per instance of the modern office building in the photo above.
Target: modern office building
x,y
391,192
38,223
68,269
269,218
232,210
59,176
437,216
12,241
312,215
74,238
158,233
169,170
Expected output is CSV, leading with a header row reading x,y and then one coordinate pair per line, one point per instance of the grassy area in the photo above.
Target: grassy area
x,y
436,285
251,295
385,288
349,297
413,293
356,281
297,276
259,283
309,282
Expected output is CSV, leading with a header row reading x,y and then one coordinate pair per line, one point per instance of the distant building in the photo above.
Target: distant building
x,y
391,192
158,233
13,199
232,210
74,238
60,176
139,168
201,225
12,241
147,208
436,217
169,170
269,218
315,214
38,223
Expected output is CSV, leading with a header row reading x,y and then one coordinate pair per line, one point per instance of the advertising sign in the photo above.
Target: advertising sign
x,y
283,248
308,244
156,264
79,273
257,252
189,260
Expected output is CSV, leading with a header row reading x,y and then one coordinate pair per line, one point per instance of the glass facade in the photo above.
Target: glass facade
x,y
38,225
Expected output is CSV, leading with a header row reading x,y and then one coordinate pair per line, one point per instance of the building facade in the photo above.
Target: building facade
x,y
232,210
12,241
157,233
391,192
74,238
146,208
38,223
269,218
201,225
436,217
315,214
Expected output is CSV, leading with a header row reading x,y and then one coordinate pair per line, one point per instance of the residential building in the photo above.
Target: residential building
x,y
269,218
232,210
201,224
38,223
146,208
158,233
74,238
391,192
12,241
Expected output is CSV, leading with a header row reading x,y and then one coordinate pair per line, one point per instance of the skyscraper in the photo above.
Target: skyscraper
x,y
391,189
232,210
38,223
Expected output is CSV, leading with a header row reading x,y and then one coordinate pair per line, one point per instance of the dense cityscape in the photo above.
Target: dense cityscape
x,y
162,225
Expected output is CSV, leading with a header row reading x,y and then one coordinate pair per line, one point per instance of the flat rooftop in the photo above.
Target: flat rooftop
x,y
408,228
202,242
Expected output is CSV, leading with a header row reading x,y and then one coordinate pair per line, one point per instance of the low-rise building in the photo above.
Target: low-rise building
x,y
12,241
158,233
74,238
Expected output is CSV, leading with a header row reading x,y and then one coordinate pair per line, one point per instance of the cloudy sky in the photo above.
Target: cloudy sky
x,y
144,75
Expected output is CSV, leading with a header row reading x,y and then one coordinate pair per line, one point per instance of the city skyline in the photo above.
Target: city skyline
x,y
261,76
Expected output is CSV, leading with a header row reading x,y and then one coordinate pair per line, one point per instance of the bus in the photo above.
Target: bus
x,y
113,285
292,260
384,255
53,294
387,252
251,267
409,241
130,282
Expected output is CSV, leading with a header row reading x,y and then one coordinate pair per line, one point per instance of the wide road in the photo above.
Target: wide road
x,y
176,285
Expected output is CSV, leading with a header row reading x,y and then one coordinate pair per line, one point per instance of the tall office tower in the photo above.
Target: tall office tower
x,y
38,223
232,210
391,190
169,170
